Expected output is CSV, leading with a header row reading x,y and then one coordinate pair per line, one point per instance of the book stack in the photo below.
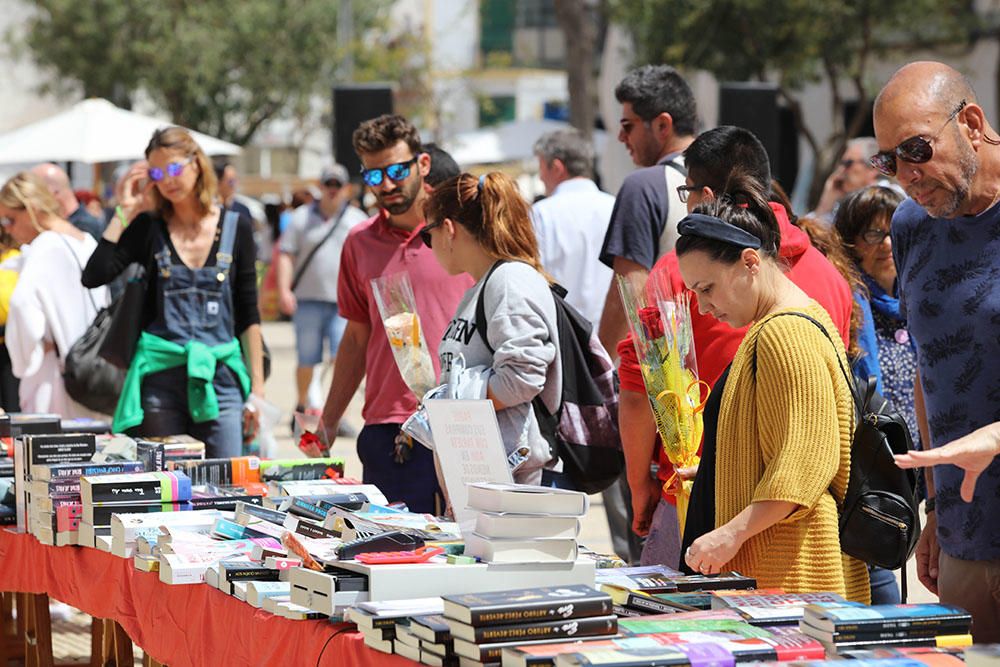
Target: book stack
x,y
279,490
860,627
133,492
378,621
517,523
55,504
931,656
484,624
657,589
760,608
235,471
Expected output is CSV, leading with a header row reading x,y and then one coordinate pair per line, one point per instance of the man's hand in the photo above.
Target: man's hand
x,y
928,553
974,453
645,497
287,302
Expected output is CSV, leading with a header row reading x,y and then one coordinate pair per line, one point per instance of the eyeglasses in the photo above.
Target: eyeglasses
x,y
173,170
684,191
875,236
425,233
915,150
334,184
394,172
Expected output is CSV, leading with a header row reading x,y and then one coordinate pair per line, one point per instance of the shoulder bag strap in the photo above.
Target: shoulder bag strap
x,y
481,322
312,253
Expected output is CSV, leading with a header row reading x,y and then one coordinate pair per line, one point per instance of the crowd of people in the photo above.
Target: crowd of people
x,y
891,275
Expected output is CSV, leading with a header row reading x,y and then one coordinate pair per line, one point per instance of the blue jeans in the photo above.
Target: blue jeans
x,y
317,322
885,590
165,403
413,482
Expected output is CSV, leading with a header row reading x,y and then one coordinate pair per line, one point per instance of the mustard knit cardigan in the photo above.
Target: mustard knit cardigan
x,y
786,435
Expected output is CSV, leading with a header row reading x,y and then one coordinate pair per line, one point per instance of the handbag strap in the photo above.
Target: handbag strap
x,y
79,266
859,401
312,253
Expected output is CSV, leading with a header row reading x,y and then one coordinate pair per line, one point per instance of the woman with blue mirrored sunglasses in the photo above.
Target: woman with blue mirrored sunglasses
x,y
173,170
394,172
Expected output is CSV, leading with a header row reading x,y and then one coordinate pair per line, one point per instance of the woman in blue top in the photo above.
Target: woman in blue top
x,y
200,353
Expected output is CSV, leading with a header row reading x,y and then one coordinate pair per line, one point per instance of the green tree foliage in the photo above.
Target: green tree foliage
x,y
222,67
797,42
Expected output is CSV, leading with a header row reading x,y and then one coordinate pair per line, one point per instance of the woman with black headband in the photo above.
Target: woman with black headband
x,y
785,416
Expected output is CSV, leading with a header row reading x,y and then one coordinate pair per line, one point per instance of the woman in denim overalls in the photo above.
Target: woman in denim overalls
x,y
190,374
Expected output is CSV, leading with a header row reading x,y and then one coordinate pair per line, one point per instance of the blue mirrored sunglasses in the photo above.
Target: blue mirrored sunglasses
x,y
394,172
173,170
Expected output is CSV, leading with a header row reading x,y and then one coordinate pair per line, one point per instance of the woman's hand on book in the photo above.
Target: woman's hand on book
x,y
710,552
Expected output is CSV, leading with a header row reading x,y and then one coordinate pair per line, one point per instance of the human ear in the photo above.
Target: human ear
x,y
972,117
751,260
664,124
424,163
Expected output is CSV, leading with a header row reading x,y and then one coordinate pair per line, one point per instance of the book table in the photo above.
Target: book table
x,y
177,626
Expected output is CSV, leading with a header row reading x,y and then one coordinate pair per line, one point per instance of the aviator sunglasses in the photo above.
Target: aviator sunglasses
x,y
915,150
394,172
173,170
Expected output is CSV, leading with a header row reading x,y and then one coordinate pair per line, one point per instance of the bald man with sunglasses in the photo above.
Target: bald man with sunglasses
x,y
934,138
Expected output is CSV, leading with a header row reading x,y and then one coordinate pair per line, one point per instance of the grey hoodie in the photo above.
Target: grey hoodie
x,y
521,317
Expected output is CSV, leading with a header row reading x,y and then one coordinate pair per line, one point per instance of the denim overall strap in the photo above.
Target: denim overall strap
x,y
227,242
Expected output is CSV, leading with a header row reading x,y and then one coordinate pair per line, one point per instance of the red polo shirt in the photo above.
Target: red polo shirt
x,y
716,342
373,249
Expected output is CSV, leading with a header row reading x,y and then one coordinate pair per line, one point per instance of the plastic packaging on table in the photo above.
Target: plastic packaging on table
x,y
460,383
398,308
270,415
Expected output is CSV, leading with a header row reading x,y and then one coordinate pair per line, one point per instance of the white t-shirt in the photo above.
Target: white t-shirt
x,y
49,304
570,226
308,228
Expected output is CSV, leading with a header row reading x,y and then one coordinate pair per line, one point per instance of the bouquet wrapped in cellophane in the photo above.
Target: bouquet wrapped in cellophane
x,y
398,308
660,323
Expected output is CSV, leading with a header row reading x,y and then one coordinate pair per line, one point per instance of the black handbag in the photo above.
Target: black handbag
x,y
122,335
90,380
879,519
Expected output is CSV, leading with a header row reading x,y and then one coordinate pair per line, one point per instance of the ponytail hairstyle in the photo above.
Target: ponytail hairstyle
x,y
742,204
492,209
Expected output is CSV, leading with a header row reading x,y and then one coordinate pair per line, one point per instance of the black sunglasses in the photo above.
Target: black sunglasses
x,y
425,233
915,150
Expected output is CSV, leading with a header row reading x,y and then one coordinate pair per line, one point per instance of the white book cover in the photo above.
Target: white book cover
x,y
520,551
469,447
527,499
511,525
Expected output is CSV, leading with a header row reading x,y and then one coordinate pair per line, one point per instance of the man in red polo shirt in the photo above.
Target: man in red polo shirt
x,y
394,169
710,160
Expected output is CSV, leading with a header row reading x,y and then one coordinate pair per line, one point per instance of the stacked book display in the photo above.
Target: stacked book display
x,y
843,628
386,627
516,523
483,625
657,589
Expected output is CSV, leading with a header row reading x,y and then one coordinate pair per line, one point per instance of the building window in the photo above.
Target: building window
x,y
496,27
496,110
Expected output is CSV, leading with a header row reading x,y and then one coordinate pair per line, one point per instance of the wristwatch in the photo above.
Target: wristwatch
x,y
929,505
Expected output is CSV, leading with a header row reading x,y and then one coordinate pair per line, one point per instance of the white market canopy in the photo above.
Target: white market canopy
x,y
507,142
92,131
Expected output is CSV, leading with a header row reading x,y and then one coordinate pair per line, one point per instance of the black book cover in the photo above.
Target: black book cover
x,y
433,628
893,617
569,627
876,636
60,448
100,515
151,454
206,471
142,487
299,507
527,605
71,471
242,571
314,530
714,582
651,605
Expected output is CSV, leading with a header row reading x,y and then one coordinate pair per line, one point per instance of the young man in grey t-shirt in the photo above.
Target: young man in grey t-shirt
x,y
307,272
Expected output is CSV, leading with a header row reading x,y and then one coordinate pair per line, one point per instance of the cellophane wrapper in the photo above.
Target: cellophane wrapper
x,y
398,309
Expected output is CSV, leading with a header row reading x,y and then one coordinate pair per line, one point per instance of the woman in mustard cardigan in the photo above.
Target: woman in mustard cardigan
x,y
786,417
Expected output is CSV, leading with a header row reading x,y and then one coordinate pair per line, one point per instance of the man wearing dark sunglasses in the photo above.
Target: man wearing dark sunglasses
x,y
394,169
852,172
933,135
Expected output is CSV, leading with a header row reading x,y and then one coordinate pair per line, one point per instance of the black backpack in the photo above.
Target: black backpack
x,y
584,430
879,519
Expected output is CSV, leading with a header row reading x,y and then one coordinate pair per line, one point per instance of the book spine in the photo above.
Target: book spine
x,y
577,627
71,471
940,625
643,602
227,503
545,610
314,531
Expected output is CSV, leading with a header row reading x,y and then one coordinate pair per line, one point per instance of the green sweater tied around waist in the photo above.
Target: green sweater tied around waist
x,y
154,354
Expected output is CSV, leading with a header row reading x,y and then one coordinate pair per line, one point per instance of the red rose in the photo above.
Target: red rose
x,y
651,322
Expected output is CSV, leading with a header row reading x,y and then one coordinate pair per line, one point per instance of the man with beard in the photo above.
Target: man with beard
x,y
394,167
934,138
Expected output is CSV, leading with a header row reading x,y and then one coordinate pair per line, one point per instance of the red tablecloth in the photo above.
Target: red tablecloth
x,y
177,625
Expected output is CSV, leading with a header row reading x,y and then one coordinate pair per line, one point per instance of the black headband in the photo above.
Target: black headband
x,y
711,227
